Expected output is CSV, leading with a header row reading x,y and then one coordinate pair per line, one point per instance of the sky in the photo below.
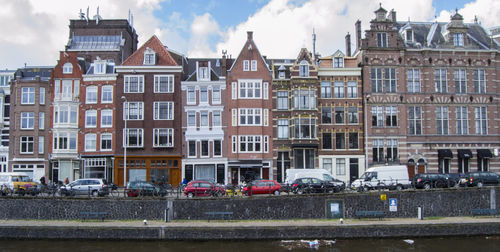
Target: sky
x,y
34,31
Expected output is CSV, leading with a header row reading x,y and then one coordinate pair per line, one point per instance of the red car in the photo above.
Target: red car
x,y
203,188
262,187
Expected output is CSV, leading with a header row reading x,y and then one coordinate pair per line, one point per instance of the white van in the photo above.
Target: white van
x,y
290,173
384,177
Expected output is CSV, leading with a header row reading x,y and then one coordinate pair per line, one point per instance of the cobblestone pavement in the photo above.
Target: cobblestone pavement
x,y
250,223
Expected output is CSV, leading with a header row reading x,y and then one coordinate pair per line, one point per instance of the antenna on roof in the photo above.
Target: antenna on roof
x,y
97,17
87,14
128,16
314,44
81,15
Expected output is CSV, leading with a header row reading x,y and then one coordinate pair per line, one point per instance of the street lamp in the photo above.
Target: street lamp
x,y
125,144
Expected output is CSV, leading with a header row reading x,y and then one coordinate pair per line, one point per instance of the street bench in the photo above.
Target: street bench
x,y
223,215
93,215
369,214
485,211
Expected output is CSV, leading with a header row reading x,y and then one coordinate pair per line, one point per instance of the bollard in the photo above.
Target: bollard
x,y
420,213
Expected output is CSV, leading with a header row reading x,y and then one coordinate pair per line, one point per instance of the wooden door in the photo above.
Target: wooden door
x,y
411,171
420,169
265,173
175,178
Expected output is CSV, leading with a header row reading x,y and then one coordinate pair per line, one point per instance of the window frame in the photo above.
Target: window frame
x,y
157,137
27,120
283,128
415,120
29,94
462,120
157,110
67,68
140,137
460,78
106,113
479,83
89,114
440,83
104,137
127,84
127,109
90,137
91,92
107,94
442,120
382,40
27,142
282,100
414,80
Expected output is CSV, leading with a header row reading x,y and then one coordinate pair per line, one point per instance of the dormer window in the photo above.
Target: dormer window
x,y
304,69
67,68
458,39
203,73
381,39
338,62
149,57
409,35
281,74
99,67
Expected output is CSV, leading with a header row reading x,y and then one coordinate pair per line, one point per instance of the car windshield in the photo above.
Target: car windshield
x,y
368,175
22,179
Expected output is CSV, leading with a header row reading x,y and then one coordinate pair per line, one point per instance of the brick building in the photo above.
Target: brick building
x,y
6,76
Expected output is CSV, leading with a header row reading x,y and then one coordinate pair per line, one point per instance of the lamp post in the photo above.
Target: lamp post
x,y
125,144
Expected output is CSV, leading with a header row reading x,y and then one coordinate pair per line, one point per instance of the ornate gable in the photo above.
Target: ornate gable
x,y
163,57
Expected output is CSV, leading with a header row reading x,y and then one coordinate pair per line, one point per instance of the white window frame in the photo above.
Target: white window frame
x,y
28,140
127,84
440,80
479,81
91,95
352,89
442,120
27,120
67,68
157,108
255,114
340,166
89,114
339,89
311,122
191,95
107,94
458,39
283,102
191,114
378,112
216,122
99,67
216,94
304,99
234,144
71,141
203,73
338,62
234,91
202,148
415,121
90,139
462,120
106,137
106,113
481,120
390,80
382,40
41,120
169,134
351,115
140,137
234,117
414,80
158,81
204,95
283,128
326,90
253,65
29,94
204,118
42,95
68,112
460,76
246,65
252,142
304,69
140,111
149,57
250,89
265,116
41,144
266,90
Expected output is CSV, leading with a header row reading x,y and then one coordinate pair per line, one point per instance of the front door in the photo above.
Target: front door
x,y
411,170
353,170
265,173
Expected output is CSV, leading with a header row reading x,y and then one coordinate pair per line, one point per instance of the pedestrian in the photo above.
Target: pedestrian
x,y
66,181
184,181
42,180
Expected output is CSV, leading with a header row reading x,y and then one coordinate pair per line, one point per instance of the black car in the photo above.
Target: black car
x,y
314,185
480,179
453,179
430,180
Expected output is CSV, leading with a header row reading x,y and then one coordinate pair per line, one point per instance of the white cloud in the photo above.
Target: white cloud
x,y
203,29
487,12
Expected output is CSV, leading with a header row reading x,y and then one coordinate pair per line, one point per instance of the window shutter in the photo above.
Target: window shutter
x,y
266,91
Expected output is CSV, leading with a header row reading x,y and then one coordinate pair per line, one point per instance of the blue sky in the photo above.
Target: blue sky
x,y
37,30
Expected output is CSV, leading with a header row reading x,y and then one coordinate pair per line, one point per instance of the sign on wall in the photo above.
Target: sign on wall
x,y
393,205
334,209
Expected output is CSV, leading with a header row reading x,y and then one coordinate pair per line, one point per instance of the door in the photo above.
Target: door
x,y
175,178
353,169
411,171
265,173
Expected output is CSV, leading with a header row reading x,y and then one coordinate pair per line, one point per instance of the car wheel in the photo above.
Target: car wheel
x,y
300,191
190,195
399,187
366,189
480,184
276,192
427,186
95,193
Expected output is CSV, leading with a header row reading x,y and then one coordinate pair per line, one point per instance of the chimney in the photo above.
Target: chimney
x,y
358,35
392,16
348,45
249,35
224,63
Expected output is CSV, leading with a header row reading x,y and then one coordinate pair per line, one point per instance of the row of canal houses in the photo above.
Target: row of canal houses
x,y
111,110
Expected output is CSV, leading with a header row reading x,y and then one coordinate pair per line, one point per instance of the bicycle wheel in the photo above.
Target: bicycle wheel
x,y
114,193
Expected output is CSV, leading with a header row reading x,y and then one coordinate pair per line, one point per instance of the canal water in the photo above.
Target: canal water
x,y
455,244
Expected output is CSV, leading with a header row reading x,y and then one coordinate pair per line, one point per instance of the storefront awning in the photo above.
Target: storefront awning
x,y
445,153
484,153
464,154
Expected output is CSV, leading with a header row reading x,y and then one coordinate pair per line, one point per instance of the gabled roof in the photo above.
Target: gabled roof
x,y
162,54
339,53
215,65
251,43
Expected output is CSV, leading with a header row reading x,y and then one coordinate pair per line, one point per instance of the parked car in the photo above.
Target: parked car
x,y
197,188
385,177
480,179
94,187
430,180
453,179
15,182
315,185
262,187
142,188
323,176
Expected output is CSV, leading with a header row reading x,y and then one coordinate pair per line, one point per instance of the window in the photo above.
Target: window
x,y
376,79
90,118
266,117
67,68
352,89
91,95
191,119
106,118
378,150
413,78
250,90
481,120
340,166
353,141
41,144
338,62
204,94
41,120
216,95
234,117
442,120
90,142
65,141
458,39
339,89
254,65
250,144
304,69
204,118
304,158
479,81
164,84
382,39
192,148
133,137
106,142
415,120
327,141
204,148
27,143
203,73
462,121
99,67
392,149
440,82
163,137
27,120
64,114
305,128
281,74
352,115
67,89
327,164
326,90
163,110
133,111
42,95
133,84
234,91
246,65
282,102
234,144
217,148
191,95
340,141
391,116
326,115
377,116
216,119
460,81
304,99
149,57
409,35
283,129
266,90
107,94
339,115
390,80
250,117
28,95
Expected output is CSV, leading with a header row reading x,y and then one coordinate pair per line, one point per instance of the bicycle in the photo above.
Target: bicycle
x,y
113,190
5,191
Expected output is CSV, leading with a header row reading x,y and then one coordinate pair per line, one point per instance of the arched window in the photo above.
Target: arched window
x,y
67,68
304,69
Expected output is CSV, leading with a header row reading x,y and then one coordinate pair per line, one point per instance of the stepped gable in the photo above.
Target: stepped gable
x,y
163,55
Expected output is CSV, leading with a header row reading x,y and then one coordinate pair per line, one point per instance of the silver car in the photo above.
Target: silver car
x,y
88,186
